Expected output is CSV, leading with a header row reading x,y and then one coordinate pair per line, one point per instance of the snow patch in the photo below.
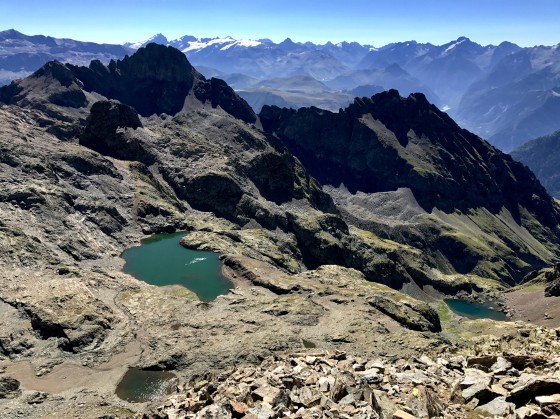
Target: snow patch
x,y
450,47
225,44
247,43
197,45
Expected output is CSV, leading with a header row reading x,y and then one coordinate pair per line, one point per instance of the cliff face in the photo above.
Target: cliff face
x,y
387,143
153,80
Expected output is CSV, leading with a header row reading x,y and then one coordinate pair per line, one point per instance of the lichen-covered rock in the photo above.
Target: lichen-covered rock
x,y
416,316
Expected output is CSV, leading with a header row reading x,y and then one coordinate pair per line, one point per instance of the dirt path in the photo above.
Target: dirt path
x,y
71,376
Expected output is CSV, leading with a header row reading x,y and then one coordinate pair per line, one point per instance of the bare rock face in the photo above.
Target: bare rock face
x,y
218,93
73,96
372,146
61,89
154,80
553,278
106,132
387,143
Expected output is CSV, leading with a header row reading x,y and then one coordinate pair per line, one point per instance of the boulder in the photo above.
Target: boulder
x,y
546,400
498,407
381,403
9,388
475,376
214,411
532,387
501,366
479,391
401,414
418,316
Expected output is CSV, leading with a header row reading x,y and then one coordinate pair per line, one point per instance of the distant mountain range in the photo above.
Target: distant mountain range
x,y
542,156
20,54
505,93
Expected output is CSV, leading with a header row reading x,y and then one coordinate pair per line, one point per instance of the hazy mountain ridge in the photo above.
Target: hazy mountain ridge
x,y
486,87
518,100
20,54
505,93
542,156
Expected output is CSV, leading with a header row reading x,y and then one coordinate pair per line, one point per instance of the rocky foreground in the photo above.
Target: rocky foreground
x,y
335,385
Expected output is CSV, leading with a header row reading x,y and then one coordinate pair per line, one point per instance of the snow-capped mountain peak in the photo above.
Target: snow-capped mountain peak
x,y
190,43
157,39
221,43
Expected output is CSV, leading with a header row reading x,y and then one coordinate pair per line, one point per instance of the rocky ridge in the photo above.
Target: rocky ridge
x,y
412,175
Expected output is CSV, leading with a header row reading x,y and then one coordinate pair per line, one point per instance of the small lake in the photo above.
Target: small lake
x,y
139,386
475,310
161,260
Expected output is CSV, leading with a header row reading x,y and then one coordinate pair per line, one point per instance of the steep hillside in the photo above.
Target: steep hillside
x,y
469,207
542,156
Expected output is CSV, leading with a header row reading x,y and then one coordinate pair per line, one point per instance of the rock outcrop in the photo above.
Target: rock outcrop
x,y
106,132
154,80
218,93
379,147
548,277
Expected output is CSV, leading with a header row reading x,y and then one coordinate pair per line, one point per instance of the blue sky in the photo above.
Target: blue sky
x,y
376,22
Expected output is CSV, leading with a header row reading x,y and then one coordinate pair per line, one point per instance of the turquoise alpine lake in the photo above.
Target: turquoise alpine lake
x,y
475,310
139,386
161,260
